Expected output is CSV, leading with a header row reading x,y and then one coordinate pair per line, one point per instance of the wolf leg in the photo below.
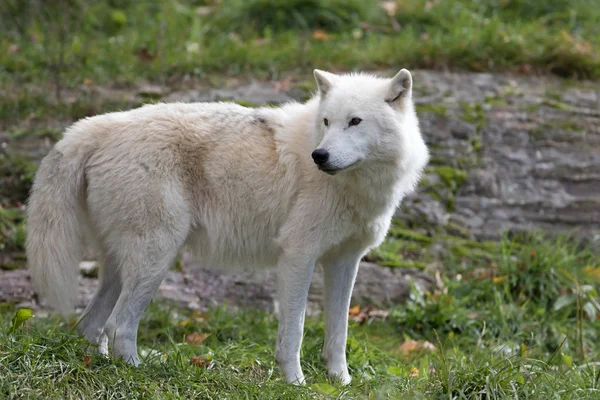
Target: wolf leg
x,y
339,275
91,324
295,274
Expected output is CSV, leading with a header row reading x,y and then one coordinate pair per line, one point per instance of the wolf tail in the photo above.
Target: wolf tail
x,y
54,231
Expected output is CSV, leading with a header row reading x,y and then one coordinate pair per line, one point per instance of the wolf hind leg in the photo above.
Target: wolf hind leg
x,y
91,323
143,266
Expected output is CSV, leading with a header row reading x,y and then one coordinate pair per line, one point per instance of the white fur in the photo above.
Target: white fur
x,y
236,185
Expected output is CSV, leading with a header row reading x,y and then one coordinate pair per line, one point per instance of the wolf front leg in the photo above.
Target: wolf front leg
x,y
339,274
294,274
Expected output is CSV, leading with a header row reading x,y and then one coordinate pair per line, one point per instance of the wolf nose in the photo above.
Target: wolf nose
x,y
320,156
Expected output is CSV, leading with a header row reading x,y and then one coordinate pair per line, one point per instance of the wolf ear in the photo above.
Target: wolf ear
x,y
324,80
400,87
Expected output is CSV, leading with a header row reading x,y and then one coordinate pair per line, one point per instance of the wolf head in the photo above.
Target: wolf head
x,y
364,120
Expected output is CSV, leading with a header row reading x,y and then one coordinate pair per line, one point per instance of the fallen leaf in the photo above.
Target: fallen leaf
x,y
203,11
145,55
389,7
592,272
361,316
410,346
87,81
196,339
414,372
200,362
320,34
499,279
87,360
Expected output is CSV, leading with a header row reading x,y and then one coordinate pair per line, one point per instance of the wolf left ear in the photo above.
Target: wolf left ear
x,y
400,87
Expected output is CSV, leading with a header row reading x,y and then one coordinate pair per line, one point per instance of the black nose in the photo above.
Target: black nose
x,y
320,156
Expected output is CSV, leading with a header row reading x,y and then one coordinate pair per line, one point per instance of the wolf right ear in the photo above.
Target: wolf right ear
x,y
324,80
400,87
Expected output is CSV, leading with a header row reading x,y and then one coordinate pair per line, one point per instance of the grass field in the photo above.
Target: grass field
x,y
78,41
521,323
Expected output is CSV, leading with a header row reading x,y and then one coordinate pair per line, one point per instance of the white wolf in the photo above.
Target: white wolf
x,y
295,186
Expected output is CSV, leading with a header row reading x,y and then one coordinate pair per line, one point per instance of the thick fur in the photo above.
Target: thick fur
x,y
238,186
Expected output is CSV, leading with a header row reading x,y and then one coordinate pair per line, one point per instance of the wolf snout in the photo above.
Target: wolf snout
x,y
320,156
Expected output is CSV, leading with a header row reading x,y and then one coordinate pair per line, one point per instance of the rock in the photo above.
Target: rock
x,y
199,287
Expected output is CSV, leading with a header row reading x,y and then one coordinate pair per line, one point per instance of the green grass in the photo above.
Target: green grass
x,y
523,324
167,40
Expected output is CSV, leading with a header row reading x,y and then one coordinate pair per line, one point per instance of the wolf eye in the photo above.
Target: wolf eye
x,y
354,121
326,121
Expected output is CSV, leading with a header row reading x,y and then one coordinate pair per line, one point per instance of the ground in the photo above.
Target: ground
x,y
487,285
449,303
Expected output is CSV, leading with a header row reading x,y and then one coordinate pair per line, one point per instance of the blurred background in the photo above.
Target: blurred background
x,y
496,257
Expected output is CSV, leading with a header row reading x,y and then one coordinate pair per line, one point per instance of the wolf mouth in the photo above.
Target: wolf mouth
x,y
333,171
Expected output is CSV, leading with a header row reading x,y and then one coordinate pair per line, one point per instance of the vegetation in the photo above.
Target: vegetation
x,y
522,324
77,41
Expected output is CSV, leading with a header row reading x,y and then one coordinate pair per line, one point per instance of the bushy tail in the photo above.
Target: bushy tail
x,y
54,232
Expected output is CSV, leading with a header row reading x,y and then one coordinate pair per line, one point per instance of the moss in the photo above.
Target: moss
x,y
177,266
403,264
570,126
306,86
436,109
18,133
495,101
453,178
406,234
10,266
475,114
559,105
16,176
12,231
476,143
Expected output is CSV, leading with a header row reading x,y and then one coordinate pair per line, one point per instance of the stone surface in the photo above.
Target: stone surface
x,y
529,147
200,288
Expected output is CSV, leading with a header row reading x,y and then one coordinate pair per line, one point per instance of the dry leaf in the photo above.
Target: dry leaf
x,y
203,11
144,54
320,34
389,7
414,372
368,312
196,339
87,360
410,346
200,362
592,272
499,279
